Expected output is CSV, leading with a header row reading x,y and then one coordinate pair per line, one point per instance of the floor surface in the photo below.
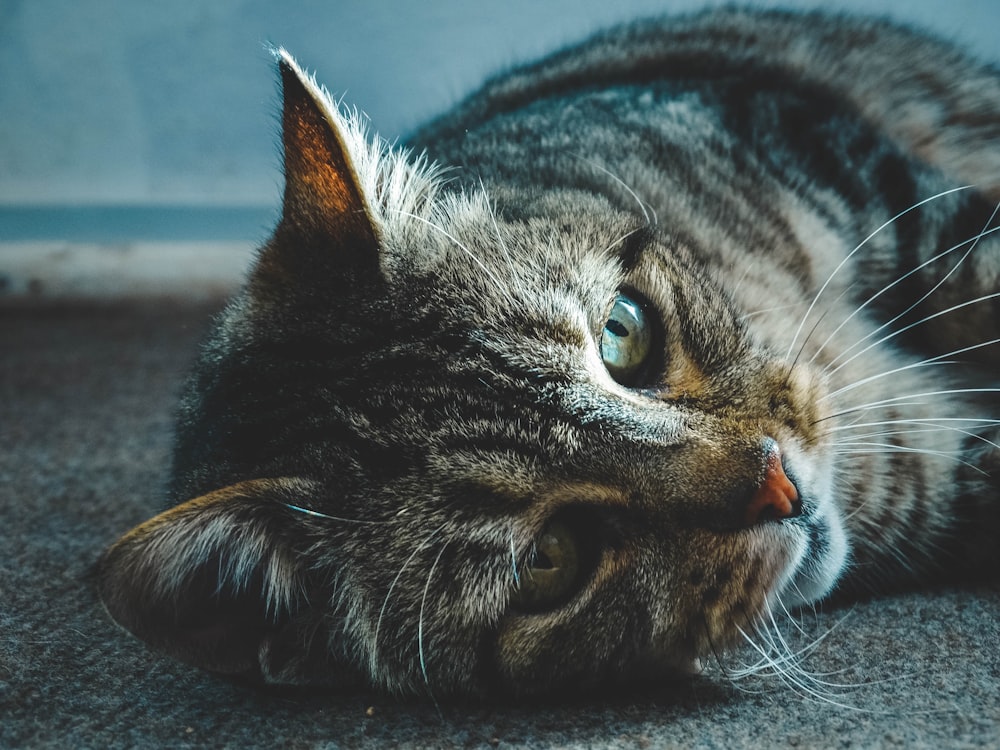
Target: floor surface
x,y
86,395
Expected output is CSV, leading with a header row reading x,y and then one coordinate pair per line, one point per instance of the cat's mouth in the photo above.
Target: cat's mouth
x,y
824,556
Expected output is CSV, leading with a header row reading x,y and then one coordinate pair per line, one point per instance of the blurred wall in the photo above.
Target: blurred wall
x,y
136,102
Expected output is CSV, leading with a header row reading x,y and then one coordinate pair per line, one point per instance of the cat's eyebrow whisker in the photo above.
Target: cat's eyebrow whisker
x,y
496,229
928,362
475,259
853,252
974,240
622,239
645,207
513,559
743,277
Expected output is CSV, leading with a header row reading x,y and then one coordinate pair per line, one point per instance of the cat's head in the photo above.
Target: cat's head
x,y
462,439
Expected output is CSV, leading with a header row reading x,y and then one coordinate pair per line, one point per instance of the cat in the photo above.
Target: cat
x,y
686,324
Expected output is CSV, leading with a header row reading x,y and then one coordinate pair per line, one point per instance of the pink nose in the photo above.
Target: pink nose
x,y
776,497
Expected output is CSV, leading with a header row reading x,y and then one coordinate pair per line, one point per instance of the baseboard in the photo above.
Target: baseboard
x,y
56,270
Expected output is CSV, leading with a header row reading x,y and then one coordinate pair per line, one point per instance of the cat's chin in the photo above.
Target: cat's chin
x,y
822,562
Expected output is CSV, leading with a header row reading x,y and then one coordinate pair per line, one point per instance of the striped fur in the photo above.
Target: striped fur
x,y
409,392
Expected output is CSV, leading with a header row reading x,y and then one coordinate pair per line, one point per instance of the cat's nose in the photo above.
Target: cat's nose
x,y
776,497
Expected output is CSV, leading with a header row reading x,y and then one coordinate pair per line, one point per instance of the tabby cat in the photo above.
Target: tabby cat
x,y
682,326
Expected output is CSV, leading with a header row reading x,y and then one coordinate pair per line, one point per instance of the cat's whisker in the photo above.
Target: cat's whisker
x,y
801,682
809,335
500,286
622,239
891,433
420,626
777,658
904,329
644,207
496,229
764,311
896,401
974,240
513,560
930,428
809,648
847,258
938,421
339,519
795,623
385,602
743,277
930,361
862,447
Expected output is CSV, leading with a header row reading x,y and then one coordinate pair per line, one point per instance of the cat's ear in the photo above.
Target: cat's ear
x,y
217,581
324,195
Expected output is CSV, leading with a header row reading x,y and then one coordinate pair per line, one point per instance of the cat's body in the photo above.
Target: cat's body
x,y
591,403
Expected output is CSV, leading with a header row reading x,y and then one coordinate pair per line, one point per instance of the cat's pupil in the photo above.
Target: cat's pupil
x,y
626,344
616,328
542,562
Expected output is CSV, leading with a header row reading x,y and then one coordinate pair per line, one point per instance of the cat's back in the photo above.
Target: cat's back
x,y
900,82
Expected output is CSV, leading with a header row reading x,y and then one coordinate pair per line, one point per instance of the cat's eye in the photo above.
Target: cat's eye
x,y
627,340
552,574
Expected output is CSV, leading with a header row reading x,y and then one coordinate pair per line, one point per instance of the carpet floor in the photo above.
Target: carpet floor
x,y
86,397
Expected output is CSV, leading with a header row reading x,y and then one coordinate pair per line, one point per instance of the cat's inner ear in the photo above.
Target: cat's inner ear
x,y
216,582
323,189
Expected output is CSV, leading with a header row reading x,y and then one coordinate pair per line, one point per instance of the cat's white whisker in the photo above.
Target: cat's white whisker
x,y
317,514
799,681
861,447
916,420
622,239
513,560
644,207
853,252
925,426
974,240
928,362
500,286
743,277
373,656
904,329
496,229
764,311
420,623
897,401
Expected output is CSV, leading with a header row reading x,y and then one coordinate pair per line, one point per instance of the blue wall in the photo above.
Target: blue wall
x,y
131,102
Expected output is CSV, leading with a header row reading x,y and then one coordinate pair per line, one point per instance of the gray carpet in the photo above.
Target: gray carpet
x,y
86,396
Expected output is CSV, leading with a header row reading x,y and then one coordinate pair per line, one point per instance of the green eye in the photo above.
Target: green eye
x,y
626,342
552,574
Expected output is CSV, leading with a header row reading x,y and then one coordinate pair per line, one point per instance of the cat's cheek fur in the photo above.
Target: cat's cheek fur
x,y
825,548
